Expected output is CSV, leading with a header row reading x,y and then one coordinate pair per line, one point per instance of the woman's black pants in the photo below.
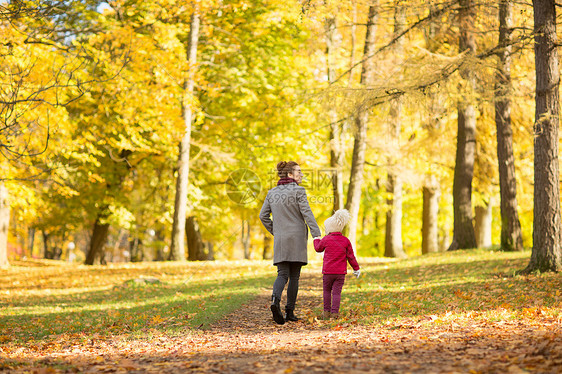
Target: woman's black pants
x,y
287,272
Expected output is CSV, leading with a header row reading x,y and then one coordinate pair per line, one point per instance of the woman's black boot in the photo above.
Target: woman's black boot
x,y
290,315
276,311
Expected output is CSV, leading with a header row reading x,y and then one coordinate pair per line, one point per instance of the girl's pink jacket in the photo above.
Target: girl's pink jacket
x,y
337,252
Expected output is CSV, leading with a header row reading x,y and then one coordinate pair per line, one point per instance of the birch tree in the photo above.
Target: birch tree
x,y
4,224
177,249
393,237
337,153
361,121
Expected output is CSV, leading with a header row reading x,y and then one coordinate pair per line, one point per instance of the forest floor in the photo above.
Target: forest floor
x,y
482,337
248,341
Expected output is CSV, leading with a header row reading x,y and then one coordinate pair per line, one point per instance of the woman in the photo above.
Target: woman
x,y
288,205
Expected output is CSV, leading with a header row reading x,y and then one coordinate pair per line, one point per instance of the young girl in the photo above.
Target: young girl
x,y
337,252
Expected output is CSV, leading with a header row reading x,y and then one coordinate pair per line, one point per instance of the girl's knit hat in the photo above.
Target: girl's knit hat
x,y
337,222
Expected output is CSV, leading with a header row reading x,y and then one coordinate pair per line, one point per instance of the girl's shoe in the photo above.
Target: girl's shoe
x,y
335,315
326,315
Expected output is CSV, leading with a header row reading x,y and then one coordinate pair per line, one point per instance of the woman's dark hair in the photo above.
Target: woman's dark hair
x,y
285,167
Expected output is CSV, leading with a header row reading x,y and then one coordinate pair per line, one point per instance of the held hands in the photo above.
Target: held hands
x,y
357,273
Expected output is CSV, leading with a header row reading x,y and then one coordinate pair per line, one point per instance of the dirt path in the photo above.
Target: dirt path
x,y
248,341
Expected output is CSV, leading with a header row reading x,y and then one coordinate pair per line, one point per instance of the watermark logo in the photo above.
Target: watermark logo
x,y
243,186
313,179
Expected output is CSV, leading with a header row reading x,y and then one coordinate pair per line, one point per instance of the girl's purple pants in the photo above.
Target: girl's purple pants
x,y
333,284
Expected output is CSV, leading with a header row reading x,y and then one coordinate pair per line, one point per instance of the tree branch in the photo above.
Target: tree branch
x,y
397,37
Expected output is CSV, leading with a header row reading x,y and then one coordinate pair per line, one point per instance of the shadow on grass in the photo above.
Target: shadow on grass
x,y
385,292
50,274
130,310
472,285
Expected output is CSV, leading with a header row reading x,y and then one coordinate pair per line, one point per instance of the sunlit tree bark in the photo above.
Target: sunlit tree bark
x,y
4,224
393,236
511,239
483,225
177,249
431,189
98,241
195,245
463,230
547,253
246,239
361,121
336,134
430,233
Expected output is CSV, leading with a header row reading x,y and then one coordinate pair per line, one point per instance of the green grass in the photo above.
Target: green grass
x,y
459,286
44,299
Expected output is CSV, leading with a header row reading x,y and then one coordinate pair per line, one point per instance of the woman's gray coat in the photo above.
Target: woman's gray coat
x,y
291,213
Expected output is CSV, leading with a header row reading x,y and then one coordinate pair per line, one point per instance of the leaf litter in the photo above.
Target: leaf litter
x,y
248,341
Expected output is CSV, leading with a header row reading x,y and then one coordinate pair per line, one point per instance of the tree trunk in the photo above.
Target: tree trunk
x,y
393,234
4,225
97,243
463,230
210,251
246,239
135,249
393,238
367,220
483,225
31,240
159,240
546,254
195,244
46,252
444,244
337,158
353,37
51,248
117,248
430,231
361,121
511,239
267,246
433,28
177,248
337,155
242,239
431,191
377,224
